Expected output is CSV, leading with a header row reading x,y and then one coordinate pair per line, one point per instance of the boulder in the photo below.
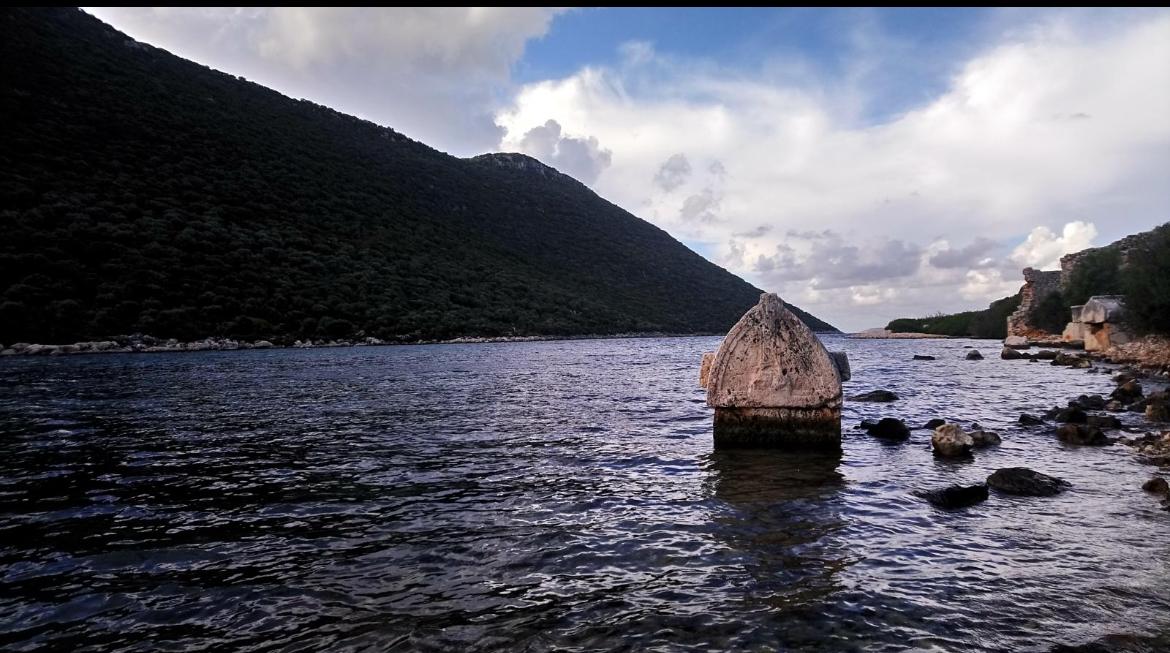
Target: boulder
x,y
875,395
949,441
1091,402
920,357
1045,355
1081,434
888,428
933,424
983,438
841,360
1157,485
956,496
974,355
1114,406
1071,414
1158,408
1016,342
1128,391
1103,422
1021,481
1009,354
1030,420
264,344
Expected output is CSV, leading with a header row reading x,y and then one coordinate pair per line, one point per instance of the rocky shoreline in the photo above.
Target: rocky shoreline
x,y
885,334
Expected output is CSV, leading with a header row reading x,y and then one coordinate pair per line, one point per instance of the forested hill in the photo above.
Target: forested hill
x,y
140,192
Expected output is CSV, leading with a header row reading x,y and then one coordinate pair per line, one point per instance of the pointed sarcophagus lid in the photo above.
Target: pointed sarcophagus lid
x,y
773,384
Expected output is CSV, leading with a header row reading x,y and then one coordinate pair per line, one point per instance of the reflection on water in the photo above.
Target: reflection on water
x,y
544,496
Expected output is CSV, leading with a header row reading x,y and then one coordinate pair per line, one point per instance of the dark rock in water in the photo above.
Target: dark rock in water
x,y
974,355
1128,391
1071,414
1103,421
876,395
867,424
950,441
1022,481
956,496
1158,407
1091,402
984,438
890,429
1157,485
1114,406
1081,434
920,357
1138,406
1045,355
1030,420
934,423
1009,354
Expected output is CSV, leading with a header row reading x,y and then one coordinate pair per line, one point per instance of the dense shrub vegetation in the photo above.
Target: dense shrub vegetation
x,y
1097,273
140,192
990,322
1051,313
1146,282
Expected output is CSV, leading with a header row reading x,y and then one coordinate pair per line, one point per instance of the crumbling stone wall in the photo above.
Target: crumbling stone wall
x,y
1038,284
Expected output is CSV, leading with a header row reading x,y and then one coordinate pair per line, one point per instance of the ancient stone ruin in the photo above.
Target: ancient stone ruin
x,y
773,384
1037,285
1099,323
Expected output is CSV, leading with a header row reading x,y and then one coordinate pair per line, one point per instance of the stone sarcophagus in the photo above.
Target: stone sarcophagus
x,y
773,384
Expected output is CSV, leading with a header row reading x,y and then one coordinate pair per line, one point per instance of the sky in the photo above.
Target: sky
x,y
865,164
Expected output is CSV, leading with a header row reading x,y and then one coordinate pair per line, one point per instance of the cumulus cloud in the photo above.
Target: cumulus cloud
x,y
433,73
1056,119
1043,248
673,172
700,207
580,158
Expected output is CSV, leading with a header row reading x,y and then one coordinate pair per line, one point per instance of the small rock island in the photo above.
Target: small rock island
x,y
773,384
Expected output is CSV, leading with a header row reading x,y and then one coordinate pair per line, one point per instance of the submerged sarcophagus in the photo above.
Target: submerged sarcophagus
x,y
773,384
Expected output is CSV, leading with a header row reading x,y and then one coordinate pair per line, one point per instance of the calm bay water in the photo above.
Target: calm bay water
x,y
545,496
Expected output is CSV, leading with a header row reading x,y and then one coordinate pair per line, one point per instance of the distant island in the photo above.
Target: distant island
x,y
146,194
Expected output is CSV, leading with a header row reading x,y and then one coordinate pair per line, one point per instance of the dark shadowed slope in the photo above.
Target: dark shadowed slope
x,y
140,192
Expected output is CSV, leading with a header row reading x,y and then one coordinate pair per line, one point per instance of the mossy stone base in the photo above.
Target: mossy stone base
x,y
807,429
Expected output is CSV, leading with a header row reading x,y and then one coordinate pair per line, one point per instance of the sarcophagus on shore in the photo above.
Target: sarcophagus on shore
x,y
773,384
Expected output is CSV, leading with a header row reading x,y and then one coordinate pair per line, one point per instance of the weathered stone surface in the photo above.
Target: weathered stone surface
x,y
1022,481
949,441
1016,342
934,423
1081,434
773,384
705,368
1158,407
1103,308
1091,402
1072,414
1045,355
889,428
1037,286
1073,331
875,395
793,428
974,355
956,496
1009,354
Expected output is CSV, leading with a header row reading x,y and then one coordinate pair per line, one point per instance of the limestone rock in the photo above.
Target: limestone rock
x,y
1022,481
1016,342
1128,391
705,368
933,424
950,441
1030,420
772,383
1157,485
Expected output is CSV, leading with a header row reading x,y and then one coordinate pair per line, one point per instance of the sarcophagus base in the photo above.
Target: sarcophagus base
x,y
807,429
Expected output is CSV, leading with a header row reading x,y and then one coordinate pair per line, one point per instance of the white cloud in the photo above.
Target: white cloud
x,y
1047,124
581,158
1043,248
